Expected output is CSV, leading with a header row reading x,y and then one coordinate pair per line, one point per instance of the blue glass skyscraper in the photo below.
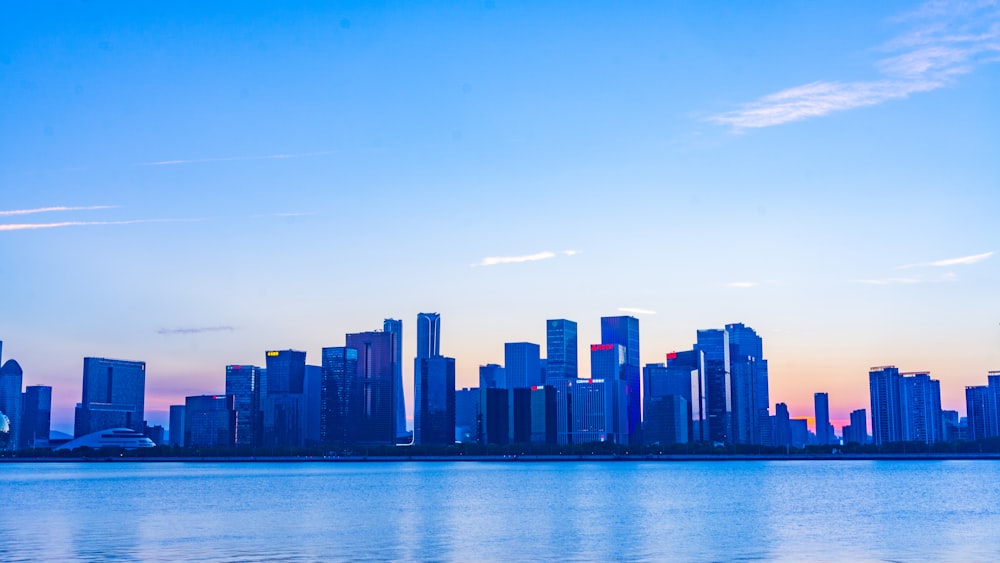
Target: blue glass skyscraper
x,y
10,400
340,396
434,394
376,376
750,401
113,396
624,331
36,416
395,327
884,383
521,365
284,398
561,350
609,370
714,344
243,384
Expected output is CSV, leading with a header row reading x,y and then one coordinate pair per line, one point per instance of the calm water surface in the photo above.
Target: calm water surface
x,y
711,511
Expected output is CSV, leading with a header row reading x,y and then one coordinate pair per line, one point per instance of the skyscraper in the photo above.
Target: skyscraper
x,y
428,335
718,400
920,401
521,365
284,399
243,384
10,400
884,383
466,409
177,416
340,396
210,421
681,375
376,374
36,416
978,411
824,436
395,327
624,331
492,376
859,427
750,399
434,394
993,398
561,350
782,431
113,396
609,367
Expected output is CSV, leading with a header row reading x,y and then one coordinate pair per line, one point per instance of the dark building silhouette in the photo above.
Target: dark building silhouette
x,y
466,410
210,421
376,370
395,327
11,377
978,412
340,396
782,428
177,416
824,432
492,376
36,416
284,399
493,419
434,394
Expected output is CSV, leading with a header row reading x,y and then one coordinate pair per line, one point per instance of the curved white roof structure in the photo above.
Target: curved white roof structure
x,y
125,438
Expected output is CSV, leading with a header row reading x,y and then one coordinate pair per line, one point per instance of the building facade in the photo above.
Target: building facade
x,y
243,384
210,421
434,395
522,367
113,396
624,331
561,350
36,417
378,358
11,378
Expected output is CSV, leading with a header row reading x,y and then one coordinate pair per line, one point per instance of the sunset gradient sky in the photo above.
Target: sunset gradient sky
x,y
191,184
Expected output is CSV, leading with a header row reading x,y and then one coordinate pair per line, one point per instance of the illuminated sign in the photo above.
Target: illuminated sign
x,y
671,355
272,354
599,347
535,388
237,367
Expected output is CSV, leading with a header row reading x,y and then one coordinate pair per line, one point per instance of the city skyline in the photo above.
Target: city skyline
x,y
191,187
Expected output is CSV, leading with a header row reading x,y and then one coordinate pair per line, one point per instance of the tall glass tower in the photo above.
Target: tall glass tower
x,y
243,383
521,365
340,395
376,375
624,331
428,335
10,400
884,383
113,396
750,401
395,327
718,399
561,350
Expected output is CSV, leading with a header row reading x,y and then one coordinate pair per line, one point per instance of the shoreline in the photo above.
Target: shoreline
x,y
522,458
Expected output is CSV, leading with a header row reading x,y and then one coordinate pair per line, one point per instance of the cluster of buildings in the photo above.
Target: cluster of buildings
x,y
715,392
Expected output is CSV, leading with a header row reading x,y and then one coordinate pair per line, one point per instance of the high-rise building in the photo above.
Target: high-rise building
x,y
492,376
713,343
243,384
11,378
859,428
543,415
993,397
782,428
561,350
624,331
521,365
682,375
36,416
884,383
377,360
340,396
284,399
395,327
210,421
466,409
824,432
749,399
313,388
493,419
801,437
434,394
113,396
978,411
920,401
950,425
177,416
428,335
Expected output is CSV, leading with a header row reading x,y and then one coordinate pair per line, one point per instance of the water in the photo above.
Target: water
x,y
586,511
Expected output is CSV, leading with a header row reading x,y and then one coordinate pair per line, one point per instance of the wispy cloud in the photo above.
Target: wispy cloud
x,y
742,284
280,156
947,262
910,280
286,214
12,212
636,311
545,255
33,226
198,330
946,39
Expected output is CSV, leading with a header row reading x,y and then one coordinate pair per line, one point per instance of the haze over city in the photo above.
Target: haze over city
x,y
190,187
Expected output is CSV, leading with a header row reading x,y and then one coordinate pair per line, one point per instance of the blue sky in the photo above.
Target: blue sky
x,y
231,178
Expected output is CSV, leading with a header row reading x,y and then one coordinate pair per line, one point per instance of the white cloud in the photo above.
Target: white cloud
x,y
960,261
12,212
233,158
35,226
636,310
545,255
949,39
